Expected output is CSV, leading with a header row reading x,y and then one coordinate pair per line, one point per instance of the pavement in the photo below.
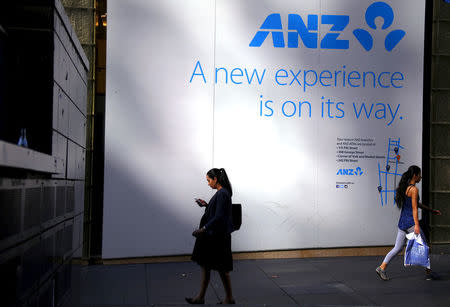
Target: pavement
x,y
336,281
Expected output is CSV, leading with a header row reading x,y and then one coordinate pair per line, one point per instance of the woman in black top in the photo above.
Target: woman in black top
x,y
212,250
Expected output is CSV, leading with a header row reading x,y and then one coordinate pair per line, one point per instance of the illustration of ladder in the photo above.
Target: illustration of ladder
x,y
392,157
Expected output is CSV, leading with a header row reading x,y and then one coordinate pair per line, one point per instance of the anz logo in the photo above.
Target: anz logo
x,y
350,172
309,31
308,34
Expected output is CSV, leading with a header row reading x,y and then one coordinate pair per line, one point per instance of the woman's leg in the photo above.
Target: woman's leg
x,y
399,243
225,276
206,275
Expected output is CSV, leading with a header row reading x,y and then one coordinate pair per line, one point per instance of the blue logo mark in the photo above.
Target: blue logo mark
x,y
383,10
350,171
309,31
341,186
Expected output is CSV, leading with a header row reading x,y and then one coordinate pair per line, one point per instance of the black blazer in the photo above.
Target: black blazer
x,y
217,218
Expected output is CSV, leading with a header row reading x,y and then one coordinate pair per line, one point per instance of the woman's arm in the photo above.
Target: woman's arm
x,y
222,204
414,194
434,211
219,216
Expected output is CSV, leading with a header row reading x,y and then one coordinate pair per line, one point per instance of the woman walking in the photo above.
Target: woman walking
x,y
407,199
212,249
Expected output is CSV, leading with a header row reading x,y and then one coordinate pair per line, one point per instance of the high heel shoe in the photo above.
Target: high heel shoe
x,y
194,302
230,303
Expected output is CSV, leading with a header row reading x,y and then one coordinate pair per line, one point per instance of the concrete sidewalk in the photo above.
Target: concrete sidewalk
x,y
338,281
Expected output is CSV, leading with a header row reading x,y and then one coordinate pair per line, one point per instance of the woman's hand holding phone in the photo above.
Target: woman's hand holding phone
x,y
200,202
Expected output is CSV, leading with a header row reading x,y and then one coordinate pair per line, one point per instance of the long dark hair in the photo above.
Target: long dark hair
x,y
222,178
404,183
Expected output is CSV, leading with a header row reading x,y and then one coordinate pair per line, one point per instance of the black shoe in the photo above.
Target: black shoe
x,y
230,303
431,276
194,302
382,274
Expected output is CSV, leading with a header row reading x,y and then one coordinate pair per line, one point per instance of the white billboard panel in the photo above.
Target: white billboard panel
x,y
314,108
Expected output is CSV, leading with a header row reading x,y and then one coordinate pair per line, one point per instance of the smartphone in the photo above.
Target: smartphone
x,y
199,202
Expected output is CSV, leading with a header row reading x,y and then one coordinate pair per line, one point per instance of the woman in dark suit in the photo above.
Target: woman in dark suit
x,y
212,250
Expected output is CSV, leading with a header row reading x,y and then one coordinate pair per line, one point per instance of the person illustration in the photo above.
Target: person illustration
x,y
407,199
212,249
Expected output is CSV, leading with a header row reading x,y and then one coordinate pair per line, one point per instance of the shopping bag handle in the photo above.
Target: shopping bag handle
x,y
413,236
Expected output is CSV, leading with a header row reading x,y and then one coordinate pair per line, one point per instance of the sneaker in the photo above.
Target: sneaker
x,y
382,273
431,276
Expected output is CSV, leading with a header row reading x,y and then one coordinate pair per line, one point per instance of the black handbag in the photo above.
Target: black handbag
x,y
236,215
